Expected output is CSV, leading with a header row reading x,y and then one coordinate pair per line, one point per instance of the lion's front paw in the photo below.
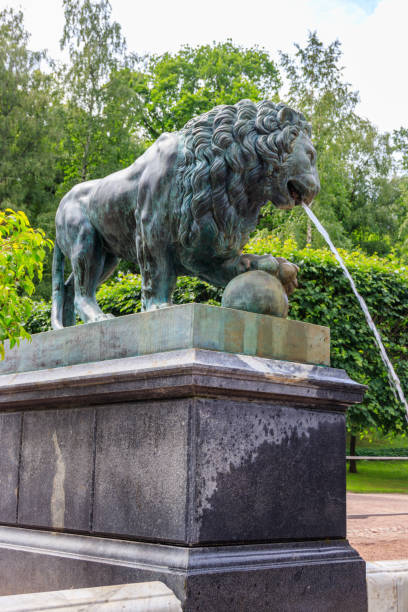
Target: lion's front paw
x,y
287,274
267,263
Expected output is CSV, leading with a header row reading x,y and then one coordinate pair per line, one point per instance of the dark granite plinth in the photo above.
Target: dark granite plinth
x,y
230,469
187,471
10,434
314,576
260,459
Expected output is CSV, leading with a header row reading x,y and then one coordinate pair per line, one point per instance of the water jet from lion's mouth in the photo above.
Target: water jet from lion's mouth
x,y
395,382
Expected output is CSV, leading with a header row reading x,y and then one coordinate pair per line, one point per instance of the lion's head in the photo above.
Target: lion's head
x,y
236,158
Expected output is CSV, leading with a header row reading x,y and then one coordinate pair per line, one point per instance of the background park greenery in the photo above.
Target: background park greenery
x,y
61,124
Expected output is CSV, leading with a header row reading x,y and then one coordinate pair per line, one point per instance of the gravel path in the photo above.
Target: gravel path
x,y
377,525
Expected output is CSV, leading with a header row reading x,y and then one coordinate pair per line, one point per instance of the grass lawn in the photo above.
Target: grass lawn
x,y
379,477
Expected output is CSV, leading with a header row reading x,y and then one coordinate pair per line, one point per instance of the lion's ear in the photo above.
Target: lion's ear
x,y
286,114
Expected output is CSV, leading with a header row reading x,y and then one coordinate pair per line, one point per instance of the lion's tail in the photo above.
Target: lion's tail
x,y
58,288
62,310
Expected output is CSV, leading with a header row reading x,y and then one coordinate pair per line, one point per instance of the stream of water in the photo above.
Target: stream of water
x,y
393,377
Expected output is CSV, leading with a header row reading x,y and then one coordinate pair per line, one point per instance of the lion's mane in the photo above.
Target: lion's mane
x,y
227,152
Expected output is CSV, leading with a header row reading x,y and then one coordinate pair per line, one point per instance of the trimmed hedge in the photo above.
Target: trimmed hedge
x,y
323,297
122,295
382,452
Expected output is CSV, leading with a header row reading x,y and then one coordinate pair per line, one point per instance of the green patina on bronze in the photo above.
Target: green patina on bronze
x,y
186,206
180,327
256,291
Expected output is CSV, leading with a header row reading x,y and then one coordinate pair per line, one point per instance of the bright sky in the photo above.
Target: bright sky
x,y
373,34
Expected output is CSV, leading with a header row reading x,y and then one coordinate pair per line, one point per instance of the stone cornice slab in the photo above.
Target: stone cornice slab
x,y
179,373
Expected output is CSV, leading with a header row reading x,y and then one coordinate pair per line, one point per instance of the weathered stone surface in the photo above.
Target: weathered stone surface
x,y
168,329
56,469
280,577
249,461
142,470
139,597
189,372
183,468
208,470
10,430
387,586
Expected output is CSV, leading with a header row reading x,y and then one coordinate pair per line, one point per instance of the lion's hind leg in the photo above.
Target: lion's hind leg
x,y
88,259
69,309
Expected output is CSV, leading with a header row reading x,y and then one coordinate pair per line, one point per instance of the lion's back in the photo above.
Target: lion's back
x,y
134,195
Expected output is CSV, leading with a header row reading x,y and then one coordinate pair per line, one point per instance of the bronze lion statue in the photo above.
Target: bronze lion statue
x,y
186,206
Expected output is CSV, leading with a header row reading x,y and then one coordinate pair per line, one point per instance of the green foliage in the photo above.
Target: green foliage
x,y
29,122
195,290
376,440
123,295
359,203
102,106
40,318
31,126
324,297
175,87
364,451
22,251
401,142
402,217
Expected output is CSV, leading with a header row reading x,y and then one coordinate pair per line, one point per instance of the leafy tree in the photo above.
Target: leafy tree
x,y
317,88
175,87
380,224
401,143
22,251
403,210
400,139
100,107
29,122
357,204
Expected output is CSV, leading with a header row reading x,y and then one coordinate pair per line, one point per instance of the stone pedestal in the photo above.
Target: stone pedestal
x,y
178,446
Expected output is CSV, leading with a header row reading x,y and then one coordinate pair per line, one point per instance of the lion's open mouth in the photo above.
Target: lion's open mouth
x,y
295,192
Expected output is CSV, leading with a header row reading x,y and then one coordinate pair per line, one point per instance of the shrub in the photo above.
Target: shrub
x,y
325,297
381,452
22,251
